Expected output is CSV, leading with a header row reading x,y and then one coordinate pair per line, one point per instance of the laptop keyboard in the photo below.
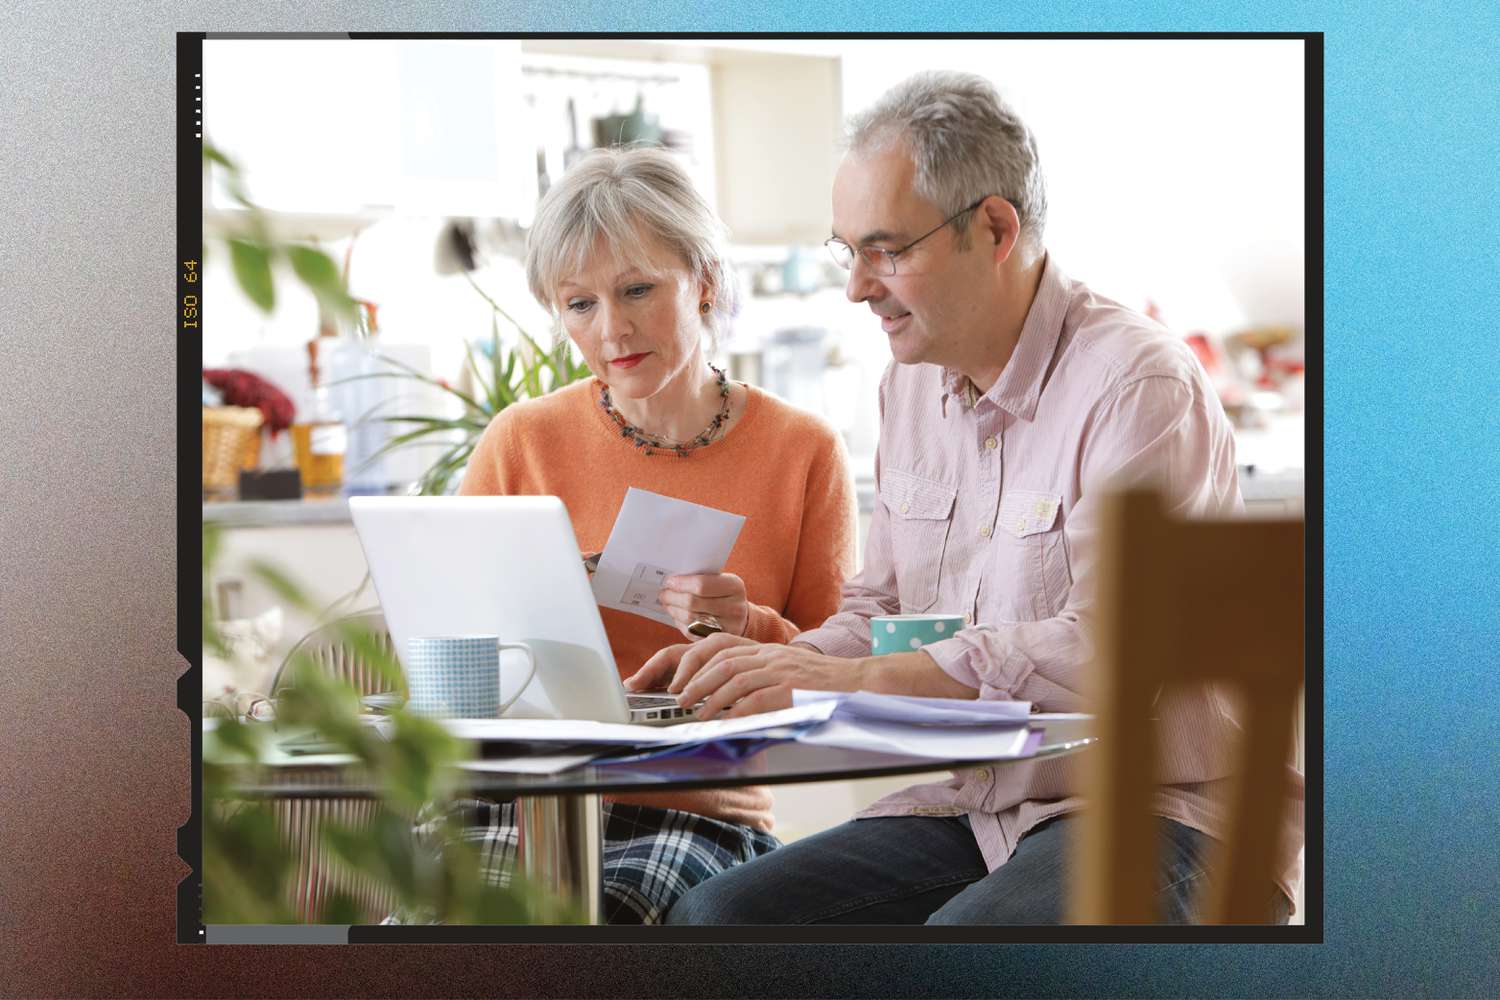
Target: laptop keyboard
x,y
657,706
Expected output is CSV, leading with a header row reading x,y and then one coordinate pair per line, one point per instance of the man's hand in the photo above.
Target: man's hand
x,y
739,677
719,594
746,678
671,667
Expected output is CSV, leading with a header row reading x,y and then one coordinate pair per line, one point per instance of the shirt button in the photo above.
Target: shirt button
x,y
905,507
983,774
991,443
968,618
984,532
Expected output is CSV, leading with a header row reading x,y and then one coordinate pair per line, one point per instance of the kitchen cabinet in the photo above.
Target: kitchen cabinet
x,y
455,127
772,128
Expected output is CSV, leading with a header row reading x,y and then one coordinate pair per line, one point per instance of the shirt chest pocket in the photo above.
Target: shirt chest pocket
x,y
1034,577
921,513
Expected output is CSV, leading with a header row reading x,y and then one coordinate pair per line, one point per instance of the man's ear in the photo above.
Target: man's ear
x,y
1000,221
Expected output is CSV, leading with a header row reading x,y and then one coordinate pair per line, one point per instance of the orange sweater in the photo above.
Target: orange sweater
x,y
780,467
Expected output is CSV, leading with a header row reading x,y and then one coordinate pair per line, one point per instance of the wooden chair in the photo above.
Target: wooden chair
x,y
317,877
326,647
1188,603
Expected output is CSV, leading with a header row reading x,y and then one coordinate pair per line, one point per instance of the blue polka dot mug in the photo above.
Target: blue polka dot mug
x,y
458,676
904,633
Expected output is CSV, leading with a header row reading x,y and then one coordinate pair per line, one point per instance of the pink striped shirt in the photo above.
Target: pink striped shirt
x,y
989,511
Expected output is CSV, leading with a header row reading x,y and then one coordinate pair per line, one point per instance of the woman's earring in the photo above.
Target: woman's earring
x,y
705,308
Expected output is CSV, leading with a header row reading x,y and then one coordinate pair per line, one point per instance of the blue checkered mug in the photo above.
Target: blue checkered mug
x,y
458,676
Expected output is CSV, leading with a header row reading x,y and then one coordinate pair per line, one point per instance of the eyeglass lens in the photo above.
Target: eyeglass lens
x,y
876,259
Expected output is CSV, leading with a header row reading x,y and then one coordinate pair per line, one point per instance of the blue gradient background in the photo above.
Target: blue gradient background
x,y
1412,614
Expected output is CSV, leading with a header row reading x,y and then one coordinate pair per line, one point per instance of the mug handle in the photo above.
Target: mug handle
x,y
531,662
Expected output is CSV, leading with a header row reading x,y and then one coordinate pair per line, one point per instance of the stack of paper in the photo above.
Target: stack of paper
x,y
577,731
940,728
918,711
723,739
936,728
936,742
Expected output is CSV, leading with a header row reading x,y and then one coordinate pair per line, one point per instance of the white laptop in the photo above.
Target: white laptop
x,y
508,566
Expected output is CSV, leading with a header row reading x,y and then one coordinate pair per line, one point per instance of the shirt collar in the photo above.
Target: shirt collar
x,y
1019,386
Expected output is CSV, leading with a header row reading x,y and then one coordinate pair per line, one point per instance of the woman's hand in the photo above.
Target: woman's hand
x,y
719,594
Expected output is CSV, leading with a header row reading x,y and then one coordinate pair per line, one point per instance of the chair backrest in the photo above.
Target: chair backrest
x,y
327,647
316,876
1185,603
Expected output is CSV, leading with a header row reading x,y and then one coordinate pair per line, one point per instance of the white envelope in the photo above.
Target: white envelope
x,y
655,537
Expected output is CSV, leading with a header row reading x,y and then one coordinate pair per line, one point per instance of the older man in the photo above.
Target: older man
x,y
1016,395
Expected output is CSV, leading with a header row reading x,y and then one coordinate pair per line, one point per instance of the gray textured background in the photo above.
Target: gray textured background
x,y
91,790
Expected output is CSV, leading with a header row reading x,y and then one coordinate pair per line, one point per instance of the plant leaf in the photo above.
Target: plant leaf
x,y
410,436
279,582
495,306
245,865
420,376
252,269
501,394
214,154
480,384
530,379
320,274
453,423
440,474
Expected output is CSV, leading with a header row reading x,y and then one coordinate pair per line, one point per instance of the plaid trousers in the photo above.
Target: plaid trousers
x,y
651,856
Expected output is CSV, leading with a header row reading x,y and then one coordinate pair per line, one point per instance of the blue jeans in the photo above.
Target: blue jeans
x,y
926,869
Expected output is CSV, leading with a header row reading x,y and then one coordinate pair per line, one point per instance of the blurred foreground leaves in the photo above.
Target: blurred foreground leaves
x,y
249,867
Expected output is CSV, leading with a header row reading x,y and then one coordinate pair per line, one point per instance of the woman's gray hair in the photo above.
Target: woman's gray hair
x,y
965,142
628,197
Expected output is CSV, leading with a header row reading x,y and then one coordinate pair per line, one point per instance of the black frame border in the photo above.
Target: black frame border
x,y
190,928
190,94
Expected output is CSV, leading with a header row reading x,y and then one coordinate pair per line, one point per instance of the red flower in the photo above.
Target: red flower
x,y
242,388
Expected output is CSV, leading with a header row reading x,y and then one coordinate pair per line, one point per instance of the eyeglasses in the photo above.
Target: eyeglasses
x,y
879,260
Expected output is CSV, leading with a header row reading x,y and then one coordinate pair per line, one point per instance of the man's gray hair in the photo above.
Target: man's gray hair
x,y
965,142
629,197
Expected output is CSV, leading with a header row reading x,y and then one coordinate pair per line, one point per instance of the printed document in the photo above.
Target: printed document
x,y
917,710
575,731
655,537
938,742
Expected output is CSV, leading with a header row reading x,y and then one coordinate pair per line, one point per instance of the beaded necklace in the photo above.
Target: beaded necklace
x,y
655,445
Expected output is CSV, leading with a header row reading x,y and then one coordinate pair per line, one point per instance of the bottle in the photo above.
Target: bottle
x,y
319,439
359,397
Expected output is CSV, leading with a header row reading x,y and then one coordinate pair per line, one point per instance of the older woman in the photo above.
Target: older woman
x,y
631,262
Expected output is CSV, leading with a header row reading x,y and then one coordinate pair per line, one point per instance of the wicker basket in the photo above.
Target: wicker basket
x,y
231,442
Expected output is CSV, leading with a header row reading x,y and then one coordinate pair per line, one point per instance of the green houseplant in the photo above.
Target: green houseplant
x,y
254,251
248,865
499,378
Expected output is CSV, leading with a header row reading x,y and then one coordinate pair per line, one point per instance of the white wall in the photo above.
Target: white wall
x,y
1174,168
1174,173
